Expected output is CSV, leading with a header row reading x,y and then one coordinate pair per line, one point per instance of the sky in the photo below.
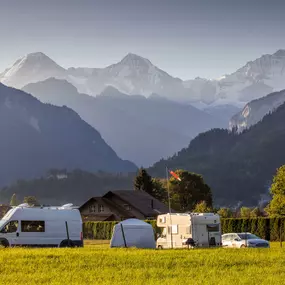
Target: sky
x,y
186,38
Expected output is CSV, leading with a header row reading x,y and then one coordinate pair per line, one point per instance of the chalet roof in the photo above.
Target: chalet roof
x,y
140,200
107,203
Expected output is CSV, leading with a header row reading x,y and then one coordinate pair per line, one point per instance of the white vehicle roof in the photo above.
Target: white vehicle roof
x,y
134,222
237,233
22,212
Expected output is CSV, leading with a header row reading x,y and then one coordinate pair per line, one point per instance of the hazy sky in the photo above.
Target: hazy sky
x,y
186,38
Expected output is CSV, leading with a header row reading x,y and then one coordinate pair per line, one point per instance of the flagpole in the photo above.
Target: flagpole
x,y
169,206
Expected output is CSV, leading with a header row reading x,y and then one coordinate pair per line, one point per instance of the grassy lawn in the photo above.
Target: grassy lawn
x,y
98,264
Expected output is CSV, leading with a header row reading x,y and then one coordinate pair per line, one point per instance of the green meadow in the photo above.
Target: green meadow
x,y
98,264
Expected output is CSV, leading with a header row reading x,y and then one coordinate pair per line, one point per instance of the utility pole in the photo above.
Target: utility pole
x,y
169,206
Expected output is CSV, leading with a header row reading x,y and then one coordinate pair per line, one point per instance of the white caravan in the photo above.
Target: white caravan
x,y
41,227
199,229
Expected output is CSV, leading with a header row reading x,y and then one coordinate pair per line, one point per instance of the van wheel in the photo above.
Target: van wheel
x,y
160,247
65,243
4,243
242,246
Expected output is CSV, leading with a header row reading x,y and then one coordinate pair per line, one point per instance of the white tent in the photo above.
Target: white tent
x,y
133,233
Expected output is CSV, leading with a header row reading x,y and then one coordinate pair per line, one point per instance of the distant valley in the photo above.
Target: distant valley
x,y
36,137
139,129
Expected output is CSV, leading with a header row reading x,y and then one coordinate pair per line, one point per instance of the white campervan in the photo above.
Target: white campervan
x,y
202,229
41,227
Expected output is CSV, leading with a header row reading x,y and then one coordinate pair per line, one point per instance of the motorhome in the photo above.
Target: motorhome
x,y
41,227
202,229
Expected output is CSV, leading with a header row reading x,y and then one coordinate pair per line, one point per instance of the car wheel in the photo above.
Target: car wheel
x,y
65,243
4,243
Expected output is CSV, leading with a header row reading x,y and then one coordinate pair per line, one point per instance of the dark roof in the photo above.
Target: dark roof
x,y
107,203
142,201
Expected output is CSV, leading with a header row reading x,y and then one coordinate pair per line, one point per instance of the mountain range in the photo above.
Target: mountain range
x,y
139,129
135,75
36,137
237,166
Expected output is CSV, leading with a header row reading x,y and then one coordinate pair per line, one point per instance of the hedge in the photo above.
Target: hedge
x,y
104,230
266,228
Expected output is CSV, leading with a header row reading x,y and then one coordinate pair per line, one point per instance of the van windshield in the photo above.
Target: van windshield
x,y
2,222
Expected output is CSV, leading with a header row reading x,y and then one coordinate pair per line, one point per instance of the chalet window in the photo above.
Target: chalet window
x,y
127,207
33,226
101,208
92,209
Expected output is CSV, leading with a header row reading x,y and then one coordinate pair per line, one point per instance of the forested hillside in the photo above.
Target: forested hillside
x,y
36,137
238,167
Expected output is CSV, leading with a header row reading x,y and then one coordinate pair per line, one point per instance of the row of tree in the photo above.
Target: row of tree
x,y
193,194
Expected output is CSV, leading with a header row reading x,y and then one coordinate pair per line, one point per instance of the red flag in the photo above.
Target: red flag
x,y
175,175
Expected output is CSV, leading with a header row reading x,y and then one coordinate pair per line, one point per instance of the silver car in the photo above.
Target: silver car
x,y
240,240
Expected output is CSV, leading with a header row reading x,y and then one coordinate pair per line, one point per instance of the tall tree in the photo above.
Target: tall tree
x,y
192,189
277,205
159,191
13,201
143,182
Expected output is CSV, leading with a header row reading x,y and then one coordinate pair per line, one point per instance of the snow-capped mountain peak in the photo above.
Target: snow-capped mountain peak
x,y
134,60
136,75
30,68
280,52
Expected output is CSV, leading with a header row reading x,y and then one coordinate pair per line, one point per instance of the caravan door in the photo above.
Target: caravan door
x,y
214,235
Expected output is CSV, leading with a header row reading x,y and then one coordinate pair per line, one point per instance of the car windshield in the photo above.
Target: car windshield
x,y
248,236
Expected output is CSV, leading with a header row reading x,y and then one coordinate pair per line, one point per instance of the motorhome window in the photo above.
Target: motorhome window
x,y
11,227
174,229
213,228
33,226
162,220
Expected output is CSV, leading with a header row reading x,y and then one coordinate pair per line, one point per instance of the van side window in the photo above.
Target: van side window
x,y
11,227
33,226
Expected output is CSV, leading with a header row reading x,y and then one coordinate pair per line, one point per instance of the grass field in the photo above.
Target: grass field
x,y
97,264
